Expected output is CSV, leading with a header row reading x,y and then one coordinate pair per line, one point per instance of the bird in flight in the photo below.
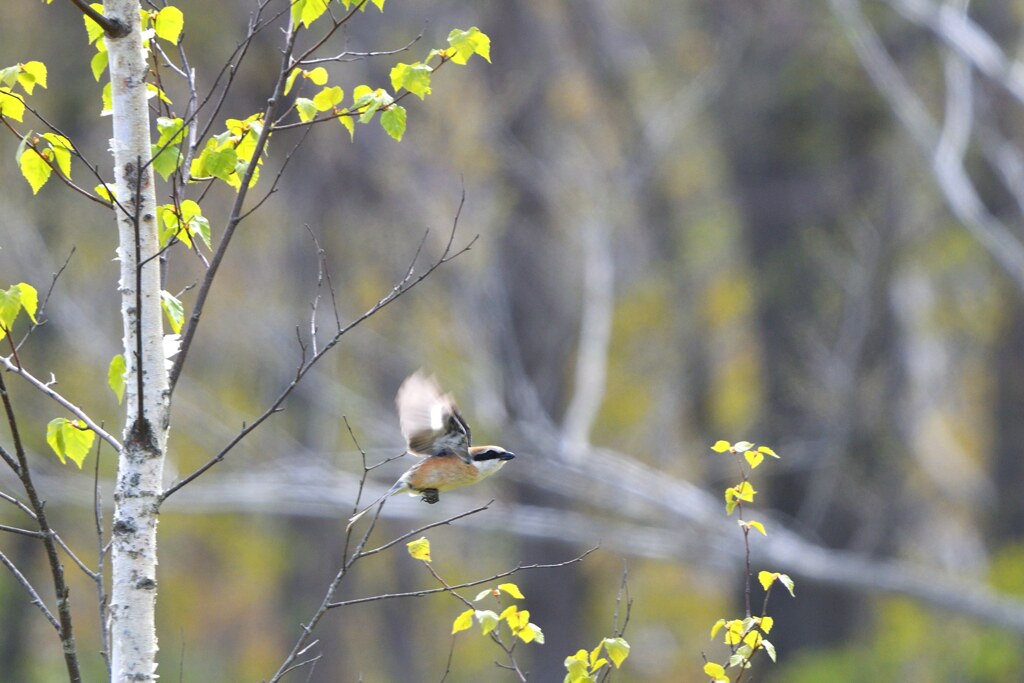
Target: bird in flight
x,y
435,431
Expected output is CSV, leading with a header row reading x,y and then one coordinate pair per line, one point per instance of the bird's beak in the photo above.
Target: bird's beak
x,y
507,456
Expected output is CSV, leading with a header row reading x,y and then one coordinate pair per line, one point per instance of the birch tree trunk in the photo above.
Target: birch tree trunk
x,y
133,640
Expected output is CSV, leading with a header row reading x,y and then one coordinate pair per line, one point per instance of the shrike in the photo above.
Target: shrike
x,y
435,431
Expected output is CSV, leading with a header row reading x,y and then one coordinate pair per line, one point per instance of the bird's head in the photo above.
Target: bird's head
x,y
490,459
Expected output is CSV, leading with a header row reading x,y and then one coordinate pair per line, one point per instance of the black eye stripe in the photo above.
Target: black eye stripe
x,y
487,455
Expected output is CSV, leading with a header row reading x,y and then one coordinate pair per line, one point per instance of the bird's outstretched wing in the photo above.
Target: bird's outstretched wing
x,y
430,420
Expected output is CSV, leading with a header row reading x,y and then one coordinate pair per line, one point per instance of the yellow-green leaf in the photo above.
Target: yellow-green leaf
x,y
717,627
467,43
306,109
173,309
69,439
34,168
531,633
169,22
420,549
413,77
62,149
788,583
716,672
115,376
757,525
463,621
93,29
769,648
754,458
12,105
295,73
98,64
31,75
488,620
512,589
767,451
617,649
393,121
577,665
327,98
317,75
346,120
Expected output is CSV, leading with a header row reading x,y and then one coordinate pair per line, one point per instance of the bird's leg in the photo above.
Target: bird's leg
x,y
430,496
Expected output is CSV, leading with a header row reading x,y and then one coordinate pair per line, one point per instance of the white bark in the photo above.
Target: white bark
x,y
140,466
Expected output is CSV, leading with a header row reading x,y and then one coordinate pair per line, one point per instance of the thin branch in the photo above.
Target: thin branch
x,y
71,407
302,644
60,587
468,584
349,56
36,600
406,284
112,27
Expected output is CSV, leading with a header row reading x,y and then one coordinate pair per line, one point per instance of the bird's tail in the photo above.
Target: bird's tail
x,y
398,487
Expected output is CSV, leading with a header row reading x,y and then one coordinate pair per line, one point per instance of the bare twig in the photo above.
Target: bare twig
x,y
408,282
36,600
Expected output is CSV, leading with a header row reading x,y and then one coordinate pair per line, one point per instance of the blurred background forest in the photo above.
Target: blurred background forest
x,y
793,222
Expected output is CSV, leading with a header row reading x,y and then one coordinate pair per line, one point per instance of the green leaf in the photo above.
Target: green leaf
x,y
617,649
463,621
14,300
512,590
93,29
413,77
167,160
168,25
98,64
220,163
115,376
9,75
393,121
306,108
34,168
327,98
488,620
173,309
172,131
467,43
69,439
31,75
